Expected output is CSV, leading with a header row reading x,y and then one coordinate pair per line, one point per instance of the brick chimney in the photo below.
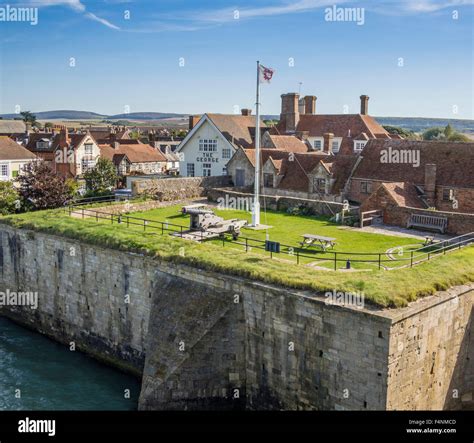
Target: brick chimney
x,y
193,119
64,137
310,104
430,183
328,137
290,114
364,104
246,112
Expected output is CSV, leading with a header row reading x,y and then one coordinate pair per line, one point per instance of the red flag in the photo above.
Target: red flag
x,y
265,74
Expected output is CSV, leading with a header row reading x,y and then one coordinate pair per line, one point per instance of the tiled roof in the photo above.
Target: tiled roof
x,y
341,169
404,194
237,129
11,150
265,154
12,126
136,153
288,143
295,170
35,137
454,162
346,126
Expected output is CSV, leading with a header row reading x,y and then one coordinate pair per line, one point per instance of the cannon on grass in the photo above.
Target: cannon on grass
x,y
209,225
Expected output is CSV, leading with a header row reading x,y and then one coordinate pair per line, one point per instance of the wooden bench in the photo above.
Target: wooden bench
x,y
318,240
430,222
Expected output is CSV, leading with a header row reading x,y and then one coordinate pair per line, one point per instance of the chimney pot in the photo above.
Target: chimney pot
x,y
364,104
246,112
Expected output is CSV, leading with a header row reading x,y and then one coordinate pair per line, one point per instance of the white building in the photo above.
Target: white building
x,y
213,140
13,158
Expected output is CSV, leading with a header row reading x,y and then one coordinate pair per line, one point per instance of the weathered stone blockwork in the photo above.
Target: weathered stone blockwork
x,y
277,202
169,189
204,340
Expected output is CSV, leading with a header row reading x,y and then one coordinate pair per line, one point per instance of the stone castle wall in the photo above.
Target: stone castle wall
x,y
203,340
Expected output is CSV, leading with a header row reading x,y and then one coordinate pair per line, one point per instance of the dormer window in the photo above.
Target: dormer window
x,y
42,144
359,145
335,146
318,145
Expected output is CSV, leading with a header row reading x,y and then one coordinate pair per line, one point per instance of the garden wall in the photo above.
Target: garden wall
x,y
276,203
169,189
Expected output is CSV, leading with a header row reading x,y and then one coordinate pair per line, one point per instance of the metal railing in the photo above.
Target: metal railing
x,y
379,259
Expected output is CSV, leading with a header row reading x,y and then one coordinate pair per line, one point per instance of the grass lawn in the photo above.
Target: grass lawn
x,y
383,288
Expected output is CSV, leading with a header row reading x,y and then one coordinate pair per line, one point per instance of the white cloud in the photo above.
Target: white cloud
x,y
75,5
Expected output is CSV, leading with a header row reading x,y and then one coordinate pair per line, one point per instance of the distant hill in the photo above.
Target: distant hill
x,y
417,124
59,115
86,115
145,116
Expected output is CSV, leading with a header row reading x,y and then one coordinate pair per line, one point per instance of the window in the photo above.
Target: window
x,y
207,145
365,187
448,194
268,180
226,153
224,171
87,165
206,169
4,172
359,146
190,169
335,146
88,149
318,144
42,145
319,185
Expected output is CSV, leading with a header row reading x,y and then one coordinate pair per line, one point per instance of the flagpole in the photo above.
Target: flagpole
x,y
256,200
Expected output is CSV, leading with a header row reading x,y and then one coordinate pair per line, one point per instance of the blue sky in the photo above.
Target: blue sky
x,y
411,57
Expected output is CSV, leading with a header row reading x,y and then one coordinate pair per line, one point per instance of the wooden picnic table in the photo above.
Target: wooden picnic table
x,y
318,240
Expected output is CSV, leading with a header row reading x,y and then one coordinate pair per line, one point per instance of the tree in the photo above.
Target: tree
x,y
41,188
102,178
448,131
405,133
434,134
29,118
458,137
9,198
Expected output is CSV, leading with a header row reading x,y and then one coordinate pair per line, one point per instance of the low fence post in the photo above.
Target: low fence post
x,y
411,260
297,257
82,212
246,244
380,261
335,261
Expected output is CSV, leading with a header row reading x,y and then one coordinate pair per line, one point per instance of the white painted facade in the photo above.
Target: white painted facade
x,y
10,169
205,151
